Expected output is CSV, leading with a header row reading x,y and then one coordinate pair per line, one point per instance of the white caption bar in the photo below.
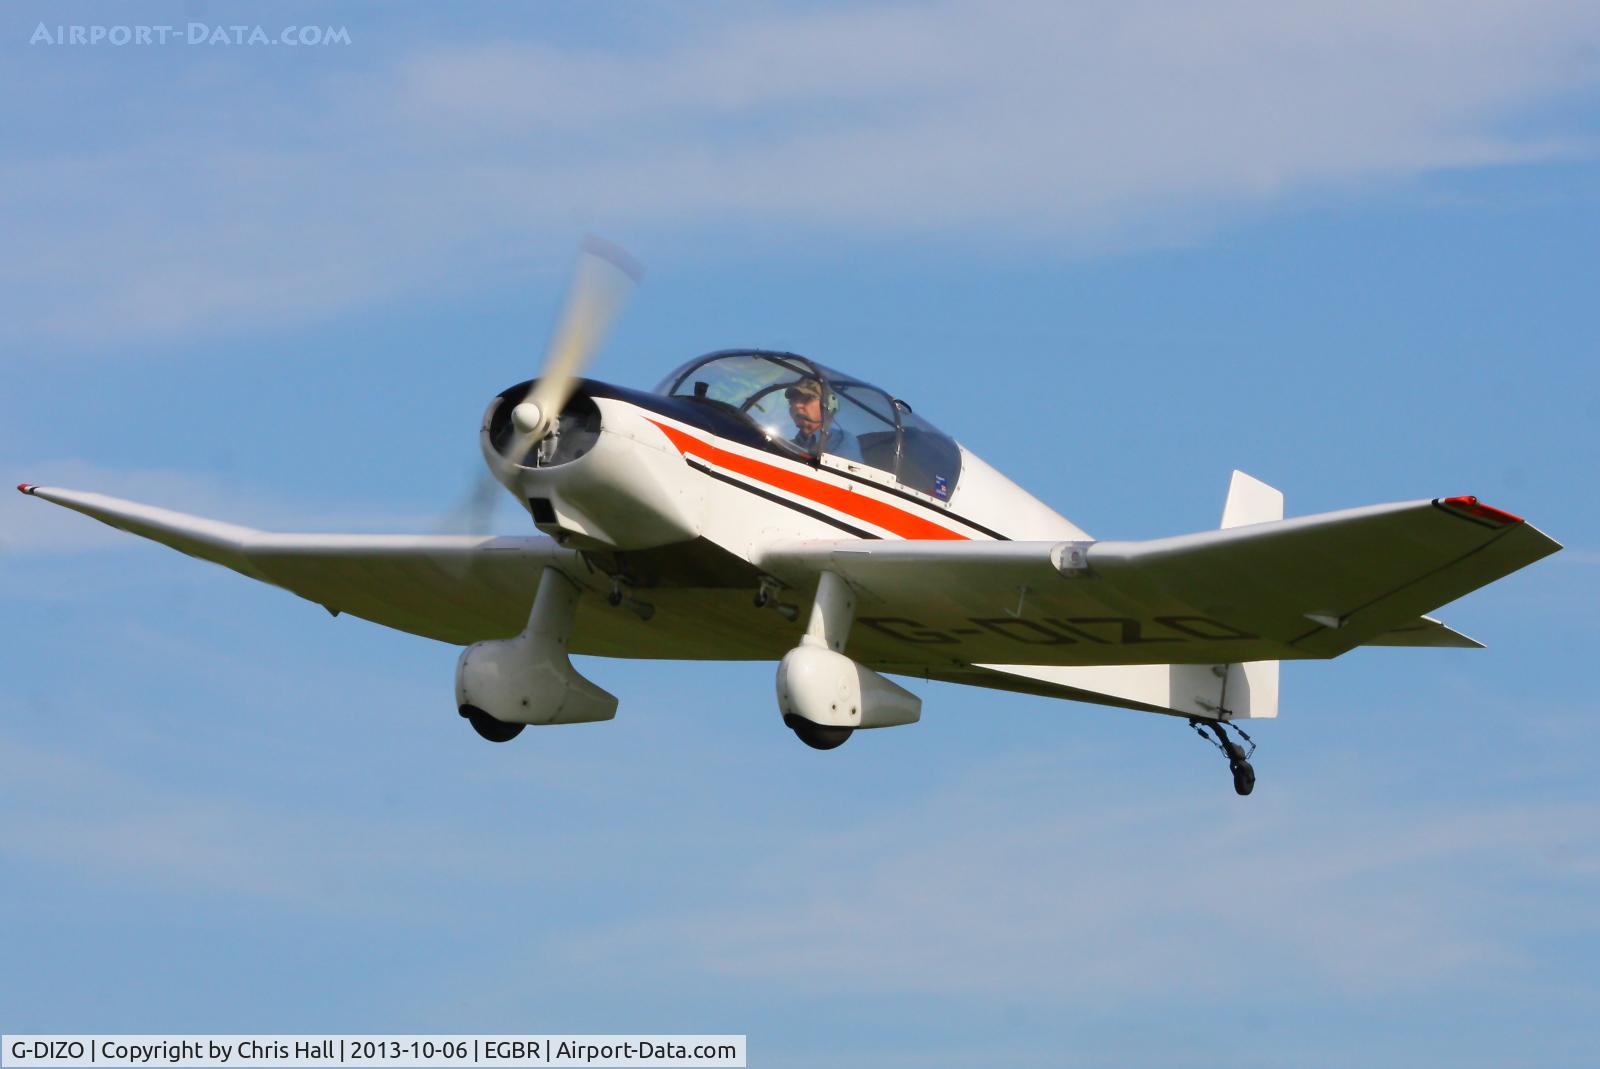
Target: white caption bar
x,y
275,1050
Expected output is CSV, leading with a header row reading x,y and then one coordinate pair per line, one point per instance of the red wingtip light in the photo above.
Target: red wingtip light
x,y
27,488
1475,508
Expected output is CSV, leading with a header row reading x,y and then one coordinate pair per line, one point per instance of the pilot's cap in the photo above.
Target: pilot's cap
x,y
804,388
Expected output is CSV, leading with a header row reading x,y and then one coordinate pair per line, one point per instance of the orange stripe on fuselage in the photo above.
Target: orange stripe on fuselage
x,y
839,498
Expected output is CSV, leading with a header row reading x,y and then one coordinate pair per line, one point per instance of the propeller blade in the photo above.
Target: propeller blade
x,y
474,512
601,282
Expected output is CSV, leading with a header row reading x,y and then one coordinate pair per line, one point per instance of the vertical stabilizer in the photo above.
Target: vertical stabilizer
x,y
1250,689
1251,501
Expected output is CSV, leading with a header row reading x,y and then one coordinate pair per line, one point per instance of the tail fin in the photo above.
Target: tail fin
x,y
1251,501
1250,688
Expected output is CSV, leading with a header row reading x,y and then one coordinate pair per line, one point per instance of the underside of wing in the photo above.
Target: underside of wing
x,y
1308,587
456,588
1322,585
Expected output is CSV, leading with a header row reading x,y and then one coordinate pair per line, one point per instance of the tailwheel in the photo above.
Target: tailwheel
x,y
488,727
1244,776
817,736
1244,773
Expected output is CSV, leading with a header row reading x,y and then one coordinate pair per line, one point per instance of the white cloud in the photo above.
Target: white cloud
x,y
1086,126
1000,886
108,824
964,898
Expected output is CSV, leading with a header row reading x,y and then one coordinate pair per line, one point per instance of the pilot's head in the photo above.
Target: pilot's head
x,y
805,405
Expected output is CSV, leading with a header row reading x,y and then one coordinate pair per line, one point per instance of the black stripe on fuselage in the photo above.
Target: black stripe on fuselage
x,y
938,510
705,469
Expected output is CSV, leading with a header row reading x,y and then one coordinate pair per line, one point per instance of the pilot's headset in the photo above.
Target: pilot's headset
x,y
830,399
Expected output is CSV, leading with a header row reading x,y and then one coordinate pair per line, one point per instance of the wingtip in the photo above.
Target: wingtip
x,y
1471,506
27,488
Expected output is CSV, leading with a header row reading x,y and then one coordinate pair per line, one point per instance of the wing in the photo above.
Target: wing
x,y
456,588
1314,586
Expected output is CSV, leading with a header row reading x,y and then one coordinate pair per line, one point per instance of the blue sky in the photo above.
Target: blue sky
x,y
1119,250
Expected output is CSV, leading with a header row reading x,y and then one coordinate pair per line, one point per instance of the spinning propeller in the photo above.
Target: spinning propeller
x,y
601,282
602,279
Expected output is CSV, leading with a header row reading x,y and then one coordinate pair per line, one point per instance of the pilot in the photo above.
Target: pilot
x,y
805,408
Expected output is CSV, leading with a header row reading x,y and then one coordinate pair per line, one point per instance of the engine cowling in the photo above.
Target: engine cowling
x,y
606,479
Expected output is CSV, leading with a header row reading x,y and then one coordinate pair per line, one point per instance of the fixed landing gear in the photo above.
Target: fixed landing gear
x,y
817,736
1244,774
488,727
823,695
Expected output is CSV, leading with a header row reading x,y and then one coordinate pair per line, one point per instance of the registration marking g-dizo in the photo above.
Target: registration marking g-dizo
x,y
1048,631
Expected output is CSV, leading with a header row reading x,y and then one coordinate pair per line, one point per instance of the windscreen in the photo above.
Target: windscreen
x,y
805,406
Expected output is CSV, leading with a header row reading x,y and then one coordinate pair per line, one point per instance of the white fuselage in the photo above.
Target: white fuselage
x,y
651,481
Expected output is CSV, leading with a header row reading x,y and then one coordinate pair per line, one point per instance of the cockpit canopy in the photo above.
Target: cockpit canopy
x,y
806,408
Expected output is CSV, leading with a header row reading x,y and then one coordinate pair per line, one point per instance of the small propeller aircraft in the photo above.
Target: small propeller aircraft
x,y
760,505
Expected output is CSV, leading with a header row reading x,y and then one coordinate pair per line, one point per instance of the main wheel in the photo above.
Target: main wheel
x,y
817,736
488,727
1244,777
